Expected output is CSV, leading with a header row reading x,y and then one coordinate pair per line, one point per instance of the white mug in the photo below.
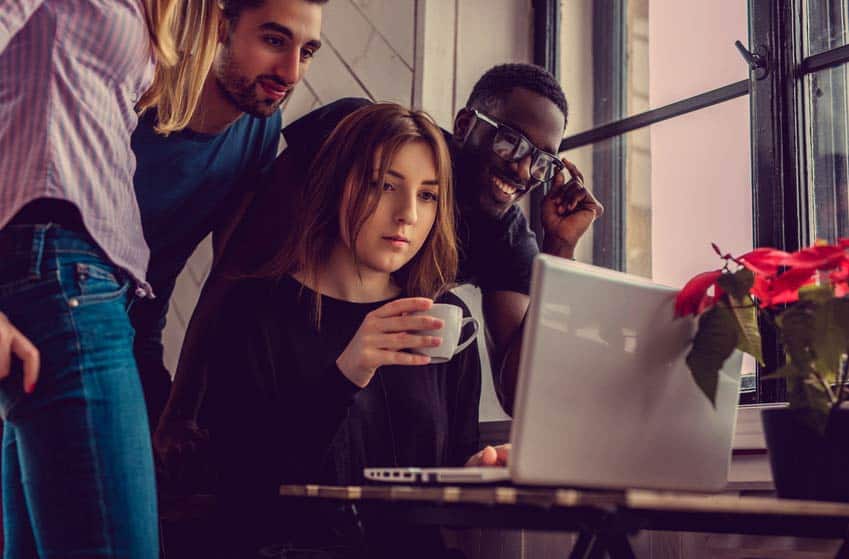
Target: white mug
x,y
452,327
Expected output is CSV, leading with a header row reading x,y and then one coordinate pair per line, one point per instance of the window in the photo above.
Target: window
x,y
688,140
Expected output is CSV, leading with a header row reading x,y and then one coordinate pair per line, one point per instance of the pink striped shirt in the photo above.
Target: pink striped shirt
x,y
71,72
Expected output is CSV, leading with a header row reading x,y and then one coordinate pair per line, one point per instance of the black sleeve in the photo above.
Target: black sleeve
x,y
500,253
306,135
466,369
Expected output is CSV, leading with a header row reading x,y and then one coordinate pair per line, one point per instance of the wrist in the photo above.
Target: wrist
x,y
556,246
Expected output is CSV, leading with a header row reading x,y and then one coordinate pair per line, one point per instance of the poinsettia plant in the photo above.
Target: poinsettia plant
x,y
802,295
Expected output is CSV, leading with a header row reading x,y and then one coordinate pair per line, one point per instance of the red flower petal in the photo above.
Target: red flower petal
x,y
824,257
691,297
782,289
764,260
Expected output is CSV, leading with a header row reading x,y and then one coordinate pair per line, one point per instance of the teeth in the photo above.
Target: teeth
x,y
503,186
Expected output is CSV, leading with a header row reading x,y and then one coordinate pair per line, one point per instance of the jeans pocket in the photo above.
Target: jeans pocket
x,y
97,283
11,389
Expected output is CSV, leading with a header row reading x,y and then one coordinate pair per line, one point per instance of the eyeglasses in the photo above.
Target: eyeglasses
x,y
511,145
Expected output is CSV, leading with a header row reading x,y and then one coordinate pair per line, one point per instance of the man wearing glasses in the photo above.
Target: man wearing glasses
x,y
504,145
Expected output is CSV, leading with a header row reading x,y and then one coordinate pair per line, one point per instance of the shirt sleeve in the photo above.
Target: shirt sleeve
x,y
14,15
501,253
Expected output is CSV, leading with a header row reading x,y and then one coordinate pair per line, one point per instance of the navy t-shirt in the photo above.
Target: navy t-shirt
x,y
496,254
186,183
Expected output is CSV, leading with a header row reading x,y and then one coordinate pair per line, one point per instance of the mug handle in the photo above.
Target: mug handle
x,y
464,345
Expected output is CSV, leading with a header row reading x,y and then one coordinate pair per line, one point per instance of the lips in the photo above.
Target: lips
x,y
503,190
273,89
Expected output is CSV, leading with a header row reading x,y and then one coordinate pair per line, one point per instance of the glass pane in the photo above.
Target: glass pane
x,y
825,25
687,183
827,149
669,50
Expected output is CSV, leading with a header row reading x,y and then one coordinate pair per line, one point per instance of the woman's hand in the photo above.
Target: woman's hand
x,y
383,334
491,456
13,343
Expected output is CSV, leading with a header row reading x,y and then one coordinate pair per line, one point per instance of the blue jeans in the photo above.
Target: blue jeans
x,y
78,477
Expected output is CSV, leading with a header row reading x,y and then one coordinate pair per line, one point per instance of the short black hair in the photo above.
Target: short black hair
x,y
497,83
232,9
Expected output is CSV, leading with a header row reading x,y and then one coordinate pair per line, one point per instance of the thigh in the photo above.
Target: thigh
x,y
17,531
82,438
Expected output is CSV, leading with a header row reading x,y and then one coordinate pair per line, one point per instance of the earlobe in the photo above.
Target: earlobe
x,y
222,29
463,124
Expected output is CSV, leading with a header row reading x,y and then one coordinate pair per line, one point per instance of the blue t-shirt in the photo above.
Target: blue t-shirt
x,y
187,183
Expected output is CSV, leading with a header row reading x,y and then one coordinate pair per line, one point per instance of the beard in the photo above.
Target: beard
x,y
241,90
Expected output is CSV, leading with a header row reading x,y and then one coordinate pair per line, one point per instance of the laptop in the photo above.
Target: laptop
x,y
605,398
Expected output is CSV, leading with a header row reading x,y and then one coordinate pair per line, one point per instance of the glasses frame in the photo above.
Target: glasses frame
x,y
535,152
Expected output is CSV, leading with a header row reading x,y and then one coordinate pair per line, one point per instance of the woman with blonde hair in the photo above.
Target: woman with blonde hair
x,y
77,464
311,375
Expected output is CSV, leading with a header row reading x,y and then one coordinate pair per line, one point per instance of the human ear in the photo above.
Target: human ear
x,y
463,124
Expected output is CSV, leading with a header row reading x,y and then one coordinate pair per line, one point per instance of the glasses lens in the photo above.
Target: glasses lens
x,y
544,167
505,144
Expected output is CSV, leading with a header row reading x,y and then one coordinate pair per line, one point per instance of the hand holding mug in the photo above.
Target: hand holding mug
x,y
384,334
450,332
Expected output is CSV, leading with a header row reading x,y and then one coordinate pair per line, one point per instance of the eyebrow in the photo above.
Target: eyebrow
x,y
283,30
397,175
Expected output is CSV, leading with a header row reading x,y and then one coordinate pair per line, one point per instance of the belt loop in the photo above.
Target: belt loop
x,y
39,234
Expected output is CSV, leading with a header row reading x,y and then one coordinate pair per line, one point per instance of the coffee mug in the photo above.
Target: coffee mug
x,y
452,327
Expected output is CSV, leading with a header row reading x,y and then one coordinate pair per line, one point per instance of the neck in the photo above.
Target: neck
x,y
339,277
215,112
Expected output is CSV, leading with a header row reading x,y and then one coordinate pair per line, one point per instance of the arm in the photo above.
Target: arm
x,y
14,15
568,210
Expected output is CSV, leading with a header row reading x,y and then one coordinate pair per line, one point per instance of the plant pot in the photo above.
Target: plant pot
x,y
807,464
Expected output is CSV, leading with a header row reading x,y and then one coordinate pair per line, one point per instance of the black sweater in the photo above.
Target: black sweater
x,y
279,410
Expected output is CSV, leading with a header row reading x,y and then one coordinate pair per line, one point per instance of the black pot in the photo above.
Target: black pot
x,y
807,464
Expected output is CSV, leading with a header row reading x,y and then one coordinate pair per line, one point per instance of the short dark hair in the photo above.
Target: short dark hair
x,y
232,9
497,83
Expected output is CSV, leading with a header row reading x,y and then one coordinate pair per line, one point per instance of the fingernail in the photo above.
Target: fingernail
x,y
28,388
435,341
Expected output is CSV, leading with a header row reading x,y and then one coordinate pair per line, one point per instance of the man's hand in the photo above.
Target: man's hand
x,y
13,343
490,456
568,210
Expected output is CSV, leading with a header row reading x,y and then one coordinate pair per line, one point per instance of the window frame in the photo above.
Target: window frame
x,y
780,201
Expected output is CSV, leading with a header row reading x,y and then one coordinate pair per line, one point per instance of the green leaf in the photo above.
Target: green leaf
x,y
829,340
797,325
737,284
715,340
748,334
816,293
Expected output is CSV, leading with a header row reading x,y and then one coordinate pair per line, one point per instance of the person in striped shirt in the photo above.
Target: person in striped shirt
x,y
77,463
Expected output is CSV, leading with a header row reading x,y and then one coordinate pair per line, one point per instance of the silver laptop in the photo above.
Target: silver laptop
x,y
605,398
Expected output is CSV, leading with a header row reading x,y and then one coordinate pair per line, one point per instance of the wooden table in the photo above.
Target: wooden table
x,y
603,519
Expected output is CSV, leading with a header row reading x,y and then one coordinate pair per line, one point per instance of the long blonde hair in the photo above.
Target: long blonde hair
x,y
185,37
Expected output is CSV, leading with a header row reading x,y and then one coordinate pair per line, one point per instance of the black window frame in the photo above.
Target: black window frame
x,y
779,174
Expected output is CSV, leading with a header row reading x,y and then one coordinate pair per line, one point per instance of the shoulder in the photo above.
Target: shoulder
x,y
248,298
314,127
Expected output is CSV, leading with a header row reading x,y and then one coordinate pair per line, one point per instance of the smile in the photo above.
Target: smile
x,y
508,189
275,90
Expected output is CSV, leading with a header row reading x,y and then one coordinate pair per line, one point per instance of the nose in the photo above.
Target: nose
x,y
406,211
522,168
288,66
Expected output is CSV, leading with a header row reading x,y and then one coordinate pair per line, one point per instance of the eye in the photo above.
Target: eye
x,y
428,196
273,41
307,54
388,186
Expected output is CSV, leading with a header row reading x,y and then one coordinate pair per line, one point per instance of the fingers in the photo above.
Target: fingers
x,y
28,353
13,342
573,169
405,305
402,340
409,323
403,358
